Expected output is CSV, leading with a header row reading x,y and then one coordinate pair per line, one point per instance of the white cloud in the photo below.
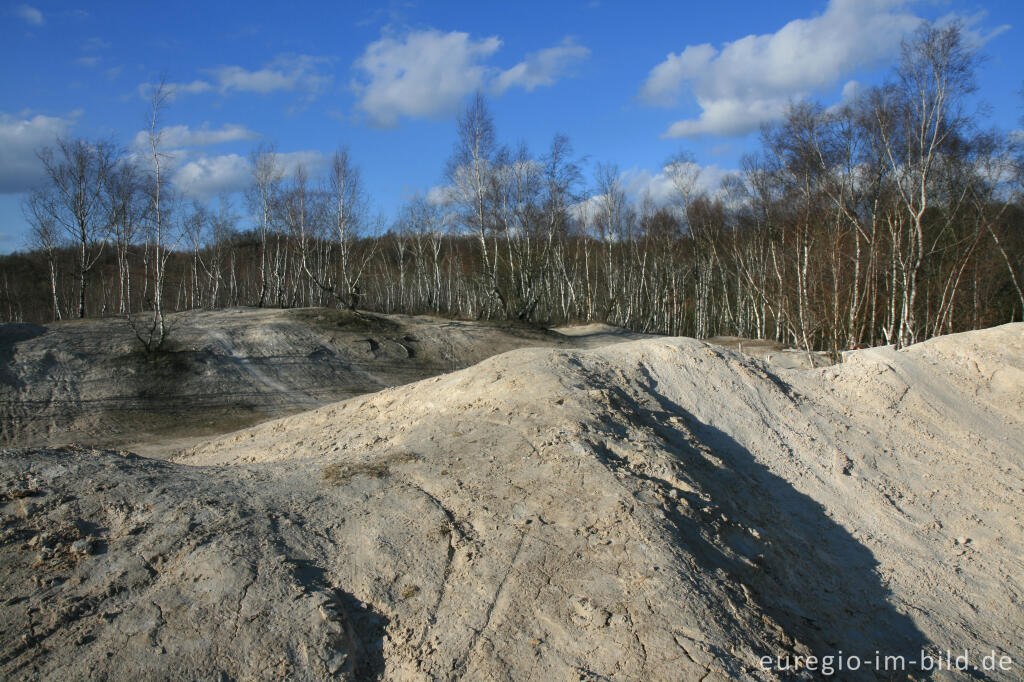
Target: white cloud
x,y
261,81
659,186
851,91
30,15
311,160
205,177
427,73
439,195
974,33
541,68
183,136
89,62
665,82
195,87
20,138
585,210
208,176
95,44
286,72
753,79
637,183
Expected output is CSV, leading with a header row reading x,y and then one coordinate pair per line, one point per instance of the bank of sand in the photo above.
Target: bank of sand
x,y
657,509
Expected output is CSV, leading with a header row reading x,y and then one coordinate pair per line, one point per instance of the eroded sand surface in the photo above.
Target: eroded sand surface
x,y
87,381
657,509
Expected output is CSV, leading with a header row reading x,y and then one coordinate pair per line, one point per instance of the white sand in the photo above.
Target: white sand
x,y
660,509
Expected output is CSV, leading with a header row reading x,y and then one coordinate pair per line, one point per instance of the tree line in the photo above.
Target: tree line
x,y
890,219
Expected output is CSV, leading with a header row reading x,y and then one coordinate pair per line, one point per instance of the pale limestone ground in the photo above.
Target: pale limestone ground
x,y
88,382
661,509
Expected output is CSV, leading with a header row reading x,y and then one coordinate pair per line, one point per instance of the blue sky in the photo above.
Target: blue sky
x,y
630,83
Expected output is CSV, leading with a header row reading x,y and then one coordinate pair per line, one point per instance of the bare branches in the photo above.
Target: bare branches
x,y
889,219
162,237
78,172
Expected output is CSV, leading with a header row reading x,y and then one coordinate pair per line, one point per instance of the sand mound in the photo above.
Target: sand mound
x,y
88,381
117,567
598,334
661,509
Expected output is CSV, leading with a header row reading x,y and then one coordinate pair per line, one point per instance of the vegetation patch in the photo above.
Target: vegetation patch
x,y
346,320
341,472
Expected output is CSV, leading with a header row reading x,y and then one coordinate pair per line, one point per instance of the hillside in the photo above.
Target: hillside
x,y
659,509
88,381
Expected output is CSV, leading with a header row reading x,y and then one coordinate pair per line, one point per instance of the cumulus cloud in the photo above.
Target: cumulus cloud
x,y
311,160
659,188
204,177
184,136
209,176
440,195
753,79
195,87
665,82
30,15
286,72
427,73
852,90
541,68
20,138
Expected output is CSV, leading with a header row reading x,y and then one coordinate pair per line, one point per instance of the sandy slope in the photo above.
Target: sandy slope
x,y
661,509
87,381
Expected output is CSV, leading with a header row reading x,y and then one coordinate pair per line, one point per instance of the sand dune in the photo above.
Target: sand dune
x,y
87,381
655,509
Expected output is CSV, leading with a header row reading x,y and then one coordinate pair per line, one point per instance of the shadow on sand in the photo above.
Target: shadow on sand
x,y
367,626
802,569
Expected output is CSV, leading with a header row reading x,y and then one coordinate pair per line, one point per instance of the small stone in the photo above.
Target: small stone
x,y
83,546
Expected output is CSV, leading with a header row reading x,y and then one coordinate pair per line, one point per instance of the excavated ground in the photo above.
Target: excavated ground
x,y
89,381
657,509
